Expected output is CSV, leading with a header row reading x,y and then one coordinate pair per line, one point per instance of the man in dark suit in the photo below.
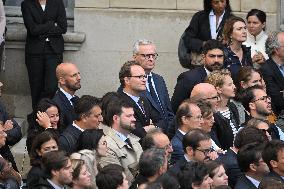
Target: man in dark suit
x,y
133,81
45,22
251,163
273,70
188,117
89,116
69,79
144,52
197,148
273,155
245,136
213,58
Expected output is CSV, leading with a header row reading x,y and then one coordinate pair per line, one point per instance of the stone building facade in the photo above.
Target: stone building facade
x,y
100,38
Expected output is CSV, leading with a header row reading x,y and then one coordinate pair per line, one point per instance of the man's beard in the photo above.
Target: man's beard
x,y
215,66
127,126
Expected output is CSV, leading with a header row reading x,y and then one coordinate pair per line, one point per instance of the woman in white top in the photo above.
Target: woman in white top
x,y
256,37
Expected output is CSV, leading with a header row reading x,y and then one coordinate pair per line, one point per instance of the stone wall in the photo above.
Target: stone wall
x,y
110,28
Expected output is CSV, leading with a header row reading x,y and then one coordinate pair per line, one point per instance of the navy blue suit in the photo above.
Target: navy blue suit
x,y
143,120
274,84
178,152
161,88
68,139
185,83
67,114
244,183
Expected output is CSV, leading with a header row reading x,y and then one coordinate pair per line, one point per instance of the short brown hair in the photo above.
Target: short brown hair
x,y
228,28
125,71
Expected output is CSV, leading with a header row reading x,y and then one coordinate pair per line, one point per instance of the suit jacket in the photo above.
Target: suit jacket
x,y
161,88
122,154
68,140
274,84
244,183
185,83
178,152
223,129
230,162
198,30
51,24
67,114
275,175
141,119
176,168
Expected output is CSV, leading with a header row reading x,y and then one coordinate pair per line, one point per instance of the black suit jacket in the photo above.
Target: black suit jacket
x,y
230,162
67,114
198,30
185,83
275,175
274,84
51,24
141,119
244,183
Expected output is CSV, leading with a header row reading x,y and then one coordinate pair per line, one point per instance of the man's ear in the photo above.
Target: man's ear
x,y
252,106
273,163
54,173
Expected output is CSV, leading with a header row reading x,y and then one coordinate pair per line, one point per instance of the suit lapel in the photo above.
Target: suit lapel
x,y
277,73
150,99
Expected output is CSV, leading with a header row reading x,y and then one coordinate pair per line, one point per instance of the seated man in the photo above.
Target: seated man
x,y
188,117
252,165
111,176
197,146
273,155
58,170
123,147
152,164
88,111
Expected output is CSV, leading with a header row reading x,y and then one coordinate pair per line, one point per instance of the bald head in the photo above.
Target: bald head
x,y
68,77
205,91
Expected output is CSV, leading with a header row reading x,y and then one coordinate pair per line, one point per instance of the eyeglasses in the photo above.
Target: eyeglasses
x,y
148,56
217,97
264,98
206,151
139,76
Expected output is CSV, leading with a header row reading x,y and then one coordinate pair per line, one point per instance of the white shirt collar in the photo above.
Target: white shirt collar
x,y
120,135
68,96
75,125
135,98
54,185
183,133
186,158
254,181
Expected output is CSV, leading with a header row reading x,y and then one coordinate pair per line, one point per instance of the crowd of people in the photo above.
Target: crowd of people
x,y
221,128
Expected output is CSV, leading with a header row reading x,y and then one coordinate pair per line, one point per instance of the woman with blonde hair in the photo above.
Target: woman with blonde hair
x,y
81,176
226,117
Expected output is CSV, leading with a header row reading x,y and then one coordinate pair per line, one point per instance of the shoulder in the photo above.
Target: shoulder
x,y
200,14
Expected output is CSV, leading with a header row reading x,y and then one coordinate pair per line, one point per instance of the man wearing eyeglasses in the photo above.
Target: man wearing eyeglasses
x,y
133,81
258,104
212,57
197,147
144,52
188,117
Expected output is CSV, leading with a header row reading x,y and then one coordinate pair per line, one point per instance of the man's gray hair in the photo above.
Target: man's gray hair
x,y
140,42
151,160
272,43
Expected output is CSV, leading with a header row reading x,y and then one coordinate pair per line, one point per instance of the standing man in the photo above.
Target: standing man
x,y
123,147
133,81
212,57
273,70
144,52
69,79
58,170
45,21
